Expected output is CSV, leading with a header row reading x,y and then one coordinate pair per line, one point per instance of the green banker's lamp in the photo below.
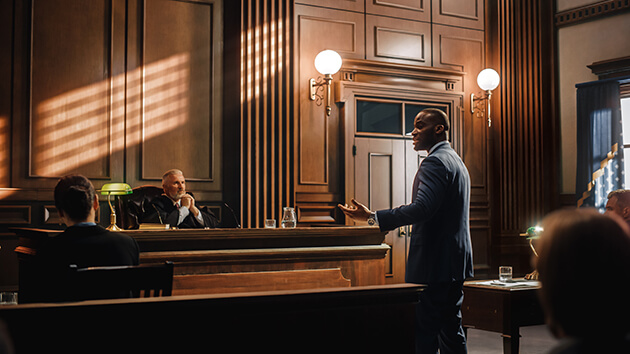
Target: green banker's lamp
x,y
533,233
110,189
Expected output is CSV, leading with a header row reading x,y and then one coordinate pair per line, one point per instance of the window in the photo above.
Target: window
x,y
390,117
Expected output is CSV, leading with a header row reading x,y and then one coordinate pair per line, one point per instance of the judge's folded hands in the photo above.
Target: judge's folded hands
x,y
358,211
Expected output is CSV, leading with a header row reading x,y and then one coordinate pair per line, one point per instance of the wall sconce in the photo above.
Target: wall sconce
x,y
110,189
327,62
488,80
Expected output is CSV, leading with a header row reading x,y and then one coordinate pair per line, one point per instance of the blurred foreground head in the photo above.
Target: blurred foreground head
x,y
584,268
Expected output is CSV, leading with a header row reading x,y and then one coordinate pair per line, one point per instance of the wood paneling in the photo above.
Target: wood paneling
x,y
398,41
258,281
418,10
319,29
350,5
6,67
459,13
15,214
525,150
177,90
72,123
267,117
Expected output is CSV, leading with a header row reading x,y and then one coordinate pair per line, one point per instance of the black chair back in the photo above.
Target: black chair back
x,y
145,280
133,209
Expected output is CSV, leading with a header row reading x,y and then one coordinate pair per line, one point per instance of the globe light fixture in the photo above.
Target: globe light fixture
x,y
488,80
327,63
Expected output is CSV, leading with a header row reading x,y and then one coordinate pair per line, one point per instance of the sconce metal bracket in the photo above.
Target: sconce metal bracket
x,y
476,102
315,86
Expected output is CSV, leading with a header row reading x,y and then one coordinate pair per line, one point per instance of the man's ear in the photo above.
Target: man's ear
x,y
439,129
625,213
95,204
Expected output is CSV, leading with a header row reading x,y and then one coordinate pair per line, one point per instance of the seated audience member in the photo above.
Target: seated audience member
x,y
619,203
176,207
584,269
83,243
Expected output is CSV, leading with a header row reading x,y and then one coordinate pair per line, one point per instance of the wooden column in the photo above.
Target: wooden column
x,y
525,129
267,117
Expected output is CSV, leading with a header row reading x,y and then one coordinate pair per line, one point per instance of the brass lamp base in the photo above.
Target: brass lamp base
x,y
114,227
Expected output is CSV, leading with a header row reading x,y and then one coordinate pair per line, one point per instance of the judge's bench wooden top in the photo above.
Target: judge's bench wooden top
x,y
210,261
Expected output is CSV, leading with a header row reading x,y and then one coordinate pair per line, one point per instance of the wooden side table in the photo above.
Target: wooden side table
x,y
502,309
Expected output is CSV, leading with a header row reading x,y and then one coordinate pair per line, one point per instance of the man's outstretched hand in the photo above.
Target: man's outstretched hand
x,y
357,212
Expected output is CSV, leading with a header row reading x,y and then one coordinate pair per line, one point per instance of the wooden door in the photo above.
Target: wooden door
x,y
384,173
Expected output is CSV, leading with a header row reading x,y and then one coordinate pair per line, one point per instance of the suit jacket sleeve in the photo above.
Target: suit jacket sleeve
x,y
429,197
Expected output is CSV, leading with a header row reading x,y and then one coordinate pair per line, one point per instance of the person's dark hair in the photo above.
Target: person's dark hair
x,y
74,196
584,269
438,116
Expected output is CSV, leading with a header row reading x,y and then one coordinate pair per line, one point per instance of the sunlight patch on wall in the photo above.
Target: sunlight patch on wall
x,y
83,127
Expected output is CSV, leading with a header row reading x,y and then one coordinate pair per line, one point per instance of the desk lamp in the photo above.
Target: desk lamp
x,y
110,189
533,233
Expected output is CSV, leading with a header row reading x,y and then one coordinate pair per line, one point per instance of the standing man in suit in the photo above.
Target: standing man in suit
x,y
176,207
440,255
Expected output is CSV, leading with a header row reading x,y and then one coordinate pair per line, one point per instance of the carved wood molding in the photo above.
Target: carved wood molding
x,y
607,69
591,12
414,73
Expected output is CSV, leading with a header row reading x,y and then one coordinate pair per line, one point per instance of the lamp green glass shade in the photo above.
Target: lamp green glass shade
x,y
534,232
116,189
110,189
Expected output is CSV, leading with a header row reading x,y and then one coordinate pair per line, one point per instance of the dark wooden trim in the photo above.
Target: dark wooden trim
x,y
607,69
591,12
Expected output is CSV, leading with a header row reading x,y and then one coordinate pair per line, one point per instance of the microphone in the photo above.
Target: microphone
x,y
238,225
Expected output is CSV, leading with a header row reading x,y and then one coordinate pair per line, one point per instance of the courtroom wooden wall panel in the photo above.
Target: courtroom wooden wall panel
x,y
268,117
398,41
176,125
6,48
65,119
319,29
350,5
526,150
174,95
418,10
459,13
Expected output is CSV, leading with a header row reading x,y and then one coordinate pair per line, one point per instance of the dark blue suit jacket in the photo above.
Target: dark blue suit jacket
x,y
440,248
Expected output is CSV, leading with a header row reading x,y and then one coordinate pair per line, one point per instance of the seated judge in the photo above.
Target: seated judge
x,y
176,207
84,243
584,269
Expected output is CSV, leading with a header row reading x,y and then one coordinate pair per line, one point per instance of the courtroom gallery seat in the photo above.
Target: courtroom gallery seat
x,y
145,280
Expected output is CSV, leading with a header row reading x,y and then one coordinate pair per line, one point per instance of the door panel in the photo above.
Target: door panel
x,y
385,169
